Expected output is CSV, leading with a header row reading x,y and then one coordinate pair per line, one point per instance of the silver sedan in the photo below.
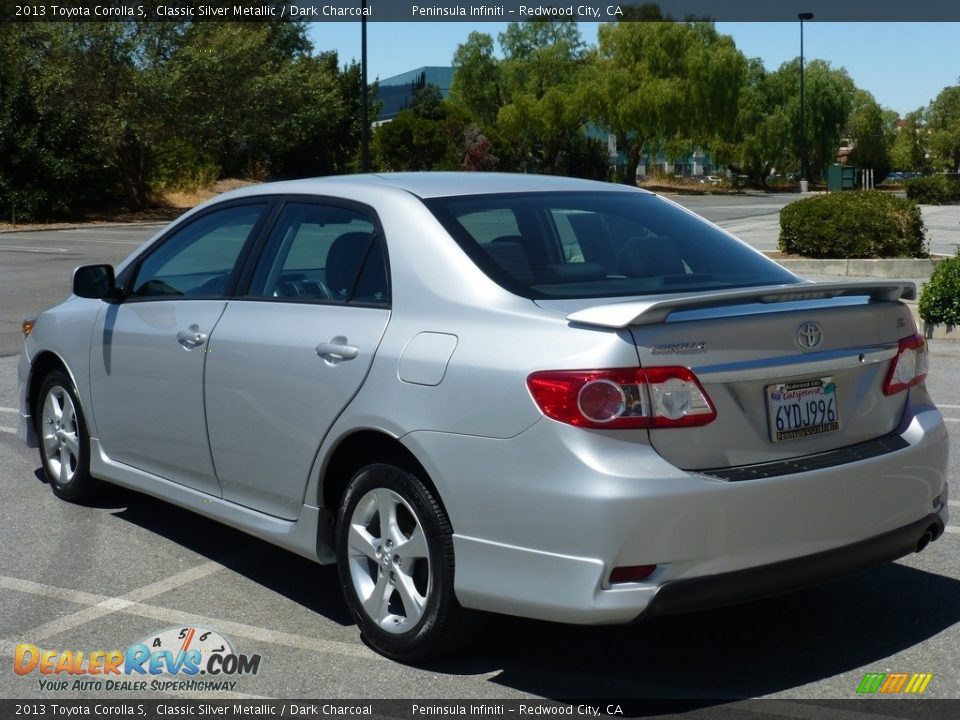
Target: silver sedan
x,y
538,396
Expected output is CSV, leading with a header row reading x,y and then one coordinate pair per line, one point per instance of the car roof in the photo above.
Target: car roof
x,y
433,184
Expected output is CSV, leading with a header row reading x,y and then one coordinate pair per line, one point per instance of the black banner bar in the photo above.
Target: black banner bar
x,y
481,10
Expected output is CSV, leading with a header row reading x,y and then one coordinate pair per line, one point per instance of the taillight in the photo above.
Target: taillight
x,y
622,398
909,367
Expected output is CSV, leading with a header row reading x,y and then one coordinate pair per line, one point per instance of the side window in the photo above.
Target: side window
x,y
198,260
325,253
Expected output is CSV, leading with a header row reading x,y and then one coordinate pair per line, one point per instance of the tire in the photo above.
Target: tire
x,y
63,439
398,581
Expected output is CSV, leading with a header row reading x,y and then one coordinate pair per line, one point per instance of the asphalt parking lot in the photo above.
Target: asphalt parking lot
x,y
106,575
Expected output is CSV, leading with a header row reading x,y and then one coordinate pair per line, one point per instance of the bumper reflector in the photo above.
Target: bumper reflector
x,y
631,573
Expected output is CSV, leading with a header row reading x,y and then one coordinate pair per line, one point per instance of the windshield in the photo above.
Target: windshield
x,y
598,244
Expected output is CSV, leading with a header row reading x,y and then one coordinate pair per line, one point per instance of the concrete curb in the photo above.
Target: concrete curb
x,y
8,230
950,333
895,268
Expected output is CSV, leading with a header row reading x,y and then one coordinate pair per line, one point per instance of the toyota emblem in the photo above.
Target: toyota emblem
x,y
809,335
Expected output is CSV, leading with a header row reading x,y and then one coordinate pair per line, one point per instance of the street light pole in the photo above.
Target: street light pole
x,y
365,128
803,128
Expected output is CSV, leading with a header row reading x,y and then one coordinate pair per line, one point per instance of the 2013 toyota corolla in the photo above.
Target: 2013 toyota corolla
x,y
539,396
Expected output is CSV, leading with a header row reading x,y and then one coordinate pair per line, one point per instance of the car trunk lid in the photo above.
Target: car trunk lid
x,y
791,370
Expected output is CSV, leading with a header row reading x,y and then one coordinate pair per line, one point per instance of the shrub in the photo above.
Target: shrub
x,y
853,224
933,189
940,297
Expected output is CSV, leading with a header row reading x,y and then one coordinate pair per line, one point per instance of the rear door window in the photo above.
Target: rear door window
x,y
322,253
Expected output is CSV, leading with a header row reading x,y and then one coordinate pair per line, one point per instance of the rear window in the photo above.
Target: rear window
x,y
584,245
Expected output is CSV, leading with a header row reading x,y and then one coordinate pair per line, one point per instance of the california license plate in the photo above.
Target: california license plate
x,y
801,409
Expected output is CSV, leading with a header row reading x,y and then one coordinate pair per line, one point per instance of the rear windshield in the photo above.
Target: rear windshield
x,y
598,244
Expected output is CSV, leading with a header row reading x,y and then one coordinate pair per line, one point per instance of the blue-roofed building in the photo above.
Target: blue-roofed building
x,y
395,93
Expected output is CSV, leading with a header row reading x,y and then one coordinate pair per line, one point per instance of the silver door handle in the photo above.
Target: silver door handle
x,y
191,337
337,351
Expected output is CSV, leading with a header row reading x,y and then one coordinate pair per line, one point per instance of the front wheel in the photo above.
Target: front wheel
x,y
396,565
64,442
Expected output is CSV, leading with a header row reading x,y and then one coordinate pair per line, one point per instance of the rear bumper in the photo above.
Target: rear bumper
x,y
705,593
543,518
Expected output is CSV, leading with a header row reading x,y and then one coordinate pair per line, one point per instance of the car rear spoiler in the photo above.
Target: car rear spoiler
x,y
649,312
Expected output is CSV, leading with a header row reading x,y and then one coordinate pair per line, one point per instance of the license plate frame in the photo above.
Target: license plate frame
x,y
803,408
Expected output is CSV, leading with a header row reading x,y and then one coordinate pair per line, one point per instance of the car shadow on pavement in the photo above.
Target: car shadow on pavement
x,y
746,651
313,586
701,659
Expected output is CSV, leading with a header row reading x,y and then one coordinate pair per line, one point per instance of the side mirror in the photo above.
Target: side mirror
x,y
94,281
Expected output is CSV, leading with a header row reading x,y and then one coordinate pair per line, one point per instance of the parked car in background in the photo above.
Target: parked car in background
x,y
538,396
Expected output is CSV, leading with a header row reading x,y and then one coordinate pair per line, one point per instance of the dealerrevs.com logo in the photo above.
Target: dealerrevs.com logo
x,y
174,659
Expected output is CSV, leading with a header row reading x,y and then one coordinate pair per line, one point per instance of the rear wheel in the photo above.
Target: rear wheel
x,y
64,442
395,558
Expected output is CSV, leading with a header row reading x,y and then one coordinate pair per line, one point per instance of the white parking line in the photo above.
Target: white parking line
x,y
952,529
951,407
12,431
951,419
102,605
110,242
20,248
109,605
9,410
252,632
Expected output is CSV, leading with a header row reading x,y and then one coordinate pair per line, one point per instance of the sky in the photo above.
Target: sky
x,y
904,65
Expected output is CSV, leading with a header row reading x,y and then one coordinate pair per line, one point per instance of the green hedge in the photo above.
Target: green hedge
x,y
940,297
853,224
933,189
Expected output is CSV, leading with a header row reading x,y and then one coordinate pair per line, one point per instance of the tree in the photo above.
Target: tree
x,y
421,137
665,83
69,109
828,100
96,113
541,76
529,104
540,55
476,78
943,125
762,131
476,150
871,130
909,144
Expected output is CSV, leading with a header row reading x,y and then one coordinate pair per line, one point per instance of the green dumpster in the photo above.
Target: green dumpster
x,y
841,177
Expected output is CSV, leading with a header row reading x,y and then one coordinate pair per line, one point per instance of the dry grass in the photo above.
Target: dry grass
x,y
186,199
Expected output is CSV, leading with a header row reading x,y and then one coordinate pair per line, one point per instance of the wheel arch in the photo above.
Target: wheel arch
x,y
367,447
42,365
